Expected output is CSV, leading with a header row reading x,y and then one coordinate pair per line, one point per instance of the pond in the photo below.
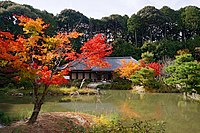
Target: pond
x,y
180,116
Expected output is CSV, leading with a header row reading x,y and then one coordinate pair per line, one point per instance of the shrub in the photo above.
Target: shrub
x,y
72,127
4,119
5,81
117,84
146,78
184,72
3,91
104,86
121,84
135,126
24,83
75,83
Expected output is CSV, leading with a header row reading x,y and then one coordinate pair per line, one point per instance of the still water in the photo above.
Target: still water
x,y
180,116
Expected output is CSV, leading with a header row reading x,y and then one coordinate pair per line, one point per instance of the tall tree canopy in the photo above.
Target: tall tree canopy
x,y
69,19
152,20
116,26
9,22
171,27
147,25
134,27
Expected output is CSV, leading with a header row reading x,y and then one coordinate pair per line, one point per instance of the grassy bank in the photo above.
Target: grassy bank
x,y
84,123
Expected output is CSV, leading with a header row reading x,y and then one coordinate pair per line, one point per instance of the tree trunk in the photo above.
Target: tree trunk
x,y
37,105
136,38
35,113
142,39
165,34
151,36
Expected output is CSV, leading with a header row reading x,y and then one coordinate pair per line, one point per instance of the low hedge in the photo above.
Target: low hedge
x,y
117,84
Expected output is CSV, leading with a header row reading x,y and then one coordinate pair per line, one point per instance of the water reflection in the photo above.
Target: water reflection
x,y
142,96
181,116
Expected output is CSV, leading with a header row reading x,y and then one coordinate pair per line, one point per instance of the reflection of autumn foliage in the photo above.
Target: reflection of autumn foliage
x,y
127,111
157,113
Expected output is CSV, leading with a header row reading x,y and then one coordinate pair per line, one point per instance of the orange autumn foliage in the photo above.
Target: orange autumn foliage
x,y
31,26
37,56
127,68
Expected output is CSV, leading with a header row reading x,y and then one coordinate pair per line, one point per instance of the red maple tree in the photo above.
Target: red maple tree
x,y
156,67
44,60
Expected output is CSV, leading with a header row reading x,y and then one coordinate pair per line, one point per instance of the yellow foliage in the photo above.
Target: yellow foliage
x,y
183,51
127,69
32,26
3,63
102,120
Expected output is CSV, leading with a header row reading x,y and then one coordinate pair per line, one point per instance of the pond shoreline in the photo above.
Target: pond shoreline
x,y
169,107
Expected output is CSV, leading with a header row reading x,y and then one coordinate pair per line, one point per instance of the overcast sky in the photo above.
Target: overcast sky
x,y
102,8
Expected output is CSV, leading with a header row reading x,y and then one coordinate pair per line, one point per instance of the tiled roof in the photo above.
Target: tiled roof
x,y
114,62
